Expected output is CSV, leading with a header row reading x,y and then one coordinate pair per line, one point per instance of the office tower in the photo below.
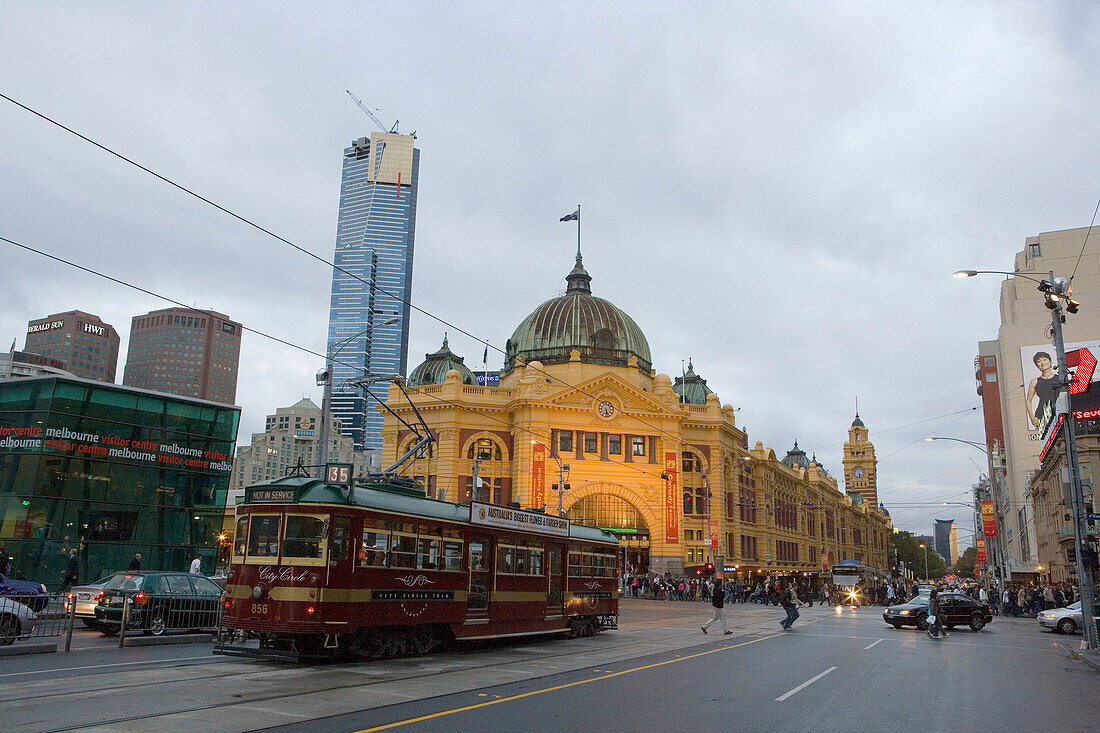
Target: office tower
x,y
946,533
368,331
187,352
87,346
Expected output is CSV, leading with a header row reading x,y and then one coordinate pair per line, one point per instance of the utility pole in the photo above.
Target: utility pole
x,y
1057,291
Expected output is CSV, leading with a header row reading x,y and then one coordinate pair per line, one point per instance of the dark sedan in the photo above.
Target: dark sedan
x,y
159,601
956,609
32,595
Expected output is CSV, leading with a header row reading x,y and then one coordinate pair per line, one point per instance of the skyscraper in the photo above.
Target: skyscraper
x,y
87,345
946,533
368,329
185,352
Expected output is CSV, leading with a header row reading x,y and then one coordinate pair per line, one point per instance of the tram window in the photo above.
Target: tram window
x,y
575,567
375,545
403,551
341,530
427,553
263,537
452,556
596,568
240,539
521,561
305,537
534,567
506,559
477,557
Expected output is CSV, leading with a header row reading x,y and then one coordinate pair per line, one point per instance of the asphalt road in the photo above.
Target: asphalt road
x,y
834,671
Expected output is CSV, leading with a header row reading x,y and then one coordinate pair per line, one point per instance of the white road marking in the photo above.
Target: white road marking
x,y
804,685
101,666
871,645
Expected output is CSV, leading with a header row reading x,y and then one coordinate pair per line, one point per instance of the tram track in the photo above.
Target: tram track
x,y
113,687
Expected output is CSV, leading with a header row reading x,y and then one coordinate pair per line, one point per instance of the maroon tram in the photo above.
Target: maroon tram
x,y
378,570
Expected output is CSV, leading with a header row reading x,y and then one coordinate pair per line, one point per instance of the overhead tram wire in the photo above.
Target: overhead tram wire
x,y
1087,234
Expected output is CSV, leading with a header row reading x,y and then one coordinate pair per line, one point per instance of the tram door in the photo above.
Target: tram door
x,y
554,566
481,565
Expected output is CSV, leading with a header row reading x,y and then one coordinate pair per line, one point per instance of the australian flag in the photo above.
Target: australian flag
x,y
571,217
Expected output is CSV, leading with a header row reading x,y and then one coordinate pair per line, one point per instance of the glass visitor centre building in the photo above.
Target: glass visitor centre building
x,y
110,471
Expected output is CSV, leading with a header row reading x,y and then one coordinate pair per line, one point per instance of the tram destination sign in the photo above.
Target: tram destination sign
x,y
502,517
272,496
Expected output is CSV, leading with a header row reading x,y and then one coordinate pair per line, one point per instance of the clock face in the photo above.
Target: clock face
x,y
858,472
605,409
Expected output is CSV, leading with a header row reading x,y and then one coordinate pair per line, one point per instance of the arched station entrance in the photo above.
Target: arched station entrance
x,y
623,519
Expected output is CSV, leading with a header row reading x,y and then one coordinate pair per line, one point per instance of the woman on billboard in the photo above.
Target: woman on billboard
x,y
1041,387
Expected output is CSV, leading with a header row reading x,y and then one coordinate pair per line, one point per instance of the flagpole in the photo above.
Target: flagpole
x,y
578,230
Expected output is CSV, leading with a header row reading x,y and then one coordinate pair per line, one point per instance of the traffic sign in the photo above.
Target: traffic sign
x,y
1092,517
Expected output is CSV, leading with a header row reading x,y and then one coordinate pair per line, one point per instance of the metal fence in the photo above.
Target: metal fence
x,y
33,616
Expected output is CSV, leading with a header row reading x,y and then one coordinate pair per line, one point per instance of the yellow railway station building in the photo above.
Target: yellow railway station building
x,y
581,421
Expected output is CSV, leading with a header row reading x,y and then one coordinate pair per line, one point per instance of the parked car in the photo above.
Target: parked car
x,y
25,592
160,600
16,621
86,598
956,609
1066,620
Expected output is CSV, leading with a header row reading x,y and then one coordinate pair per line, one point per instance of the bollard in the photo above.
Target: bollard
x,y
72,619
125,617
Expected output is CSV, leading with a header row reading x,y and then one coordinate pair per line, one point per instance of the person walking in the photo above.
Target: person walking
x,y
71,574
5,568
135,564
787,601
196,565
935,630
717,600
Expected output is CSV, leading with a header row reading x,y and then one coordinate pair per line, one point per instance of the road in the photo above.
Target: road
x,y
835,670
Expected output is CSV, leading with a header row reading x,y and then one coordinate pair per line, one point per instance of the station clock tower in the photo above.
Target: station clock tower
x,y
859,464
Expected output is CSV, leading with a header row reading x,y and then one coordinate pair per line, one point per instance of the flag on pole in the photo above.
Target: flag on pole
x,y
485,356
12,349
572,217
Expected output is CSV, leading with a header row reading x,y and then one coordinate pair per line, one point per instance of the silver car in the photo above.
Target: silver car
x,y
86,597
1063,620
16,621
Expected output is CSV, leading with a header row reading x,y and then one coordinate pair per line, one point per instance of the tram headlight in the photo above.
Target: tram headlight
x,y
257,592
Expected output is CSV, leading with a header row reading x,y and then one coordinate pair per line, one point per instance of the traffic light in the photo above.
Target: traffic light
x,y
894,571
1071,555
1088,555
709,568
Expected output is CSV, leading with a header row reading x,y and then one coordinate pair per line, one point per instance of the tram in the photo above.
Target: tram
x,y
374,569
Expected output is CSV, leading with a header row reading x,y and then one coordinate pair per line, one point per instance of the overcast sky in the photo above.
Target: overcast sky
x,y
778,191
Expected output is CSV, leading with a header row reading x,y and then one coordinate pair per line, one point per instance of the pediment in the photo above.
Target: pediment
x,y
628,397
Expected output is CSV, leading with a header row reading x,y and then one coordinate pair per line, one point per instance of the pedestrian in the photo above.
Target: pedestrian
x,y
5,568
71,574
196,565
935,629
787,601
717,600
135,564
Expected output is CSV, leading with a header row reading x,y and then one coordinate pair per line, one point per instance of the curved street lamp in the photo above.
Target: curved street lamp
x,y
979,446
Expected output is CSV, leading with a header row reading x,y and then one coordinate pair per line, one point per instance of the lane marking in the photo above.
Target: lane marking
x,y
102,666
804,685
443,713
871,645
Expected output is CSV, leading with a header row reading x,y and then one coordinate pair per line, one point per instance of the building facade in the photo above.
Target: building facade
x,y
1052,504
16,364
86,346
860,464
1015,371
187,352
368,330
291,436
109,471
580,420
946,534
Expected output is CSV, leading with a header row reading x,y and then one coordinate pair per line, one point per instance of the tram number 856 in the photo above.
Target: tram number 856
x,y
259,608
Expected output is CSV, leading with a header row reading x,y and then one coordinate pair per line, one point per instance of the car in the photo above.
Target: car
x,y
25,592
16,621
1066,620
86,597
159,601
956,609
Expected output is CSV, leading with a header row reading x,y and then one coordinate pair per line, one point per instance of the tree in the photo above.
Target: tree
x,y
912,555
964,566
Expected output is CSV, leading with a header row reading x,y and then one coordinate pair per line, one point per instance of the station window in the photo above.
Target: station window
x,y
614,445
565,441
590,444
638,445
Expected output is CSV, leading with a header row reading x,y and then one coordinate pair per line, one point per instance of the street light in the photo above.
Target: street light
x,y
324,377
1056,293
925,562
979,446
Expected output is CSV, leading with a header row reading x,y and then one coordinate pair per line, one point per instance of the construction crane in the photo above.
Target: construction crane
x,y
371,114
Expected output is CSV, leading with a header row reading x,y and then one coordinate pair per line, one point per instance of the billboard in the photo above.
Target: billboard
x,y
1040,371
673,502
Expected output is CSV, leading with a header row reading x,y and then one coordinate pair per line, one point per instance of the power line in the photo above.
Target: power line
x,y
1087,234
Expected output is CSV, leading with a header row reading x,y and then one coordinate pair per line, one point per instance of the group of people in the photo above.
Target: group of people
x,y
786,595
1032,599
668,587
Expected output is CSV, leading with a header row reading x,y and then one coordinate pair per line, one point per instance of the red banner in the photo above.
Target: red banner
x,y
989,519
714,534
979,545
824,560
673,503
538,476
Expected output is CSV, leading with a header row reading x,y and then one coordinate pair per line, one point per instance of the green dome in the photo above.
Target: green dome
x,y
796,457
602,333
691,387
435,366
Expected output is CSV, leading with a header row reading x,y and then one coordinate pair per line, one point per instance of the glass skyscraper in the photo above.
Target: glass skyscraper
x,y
368,328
